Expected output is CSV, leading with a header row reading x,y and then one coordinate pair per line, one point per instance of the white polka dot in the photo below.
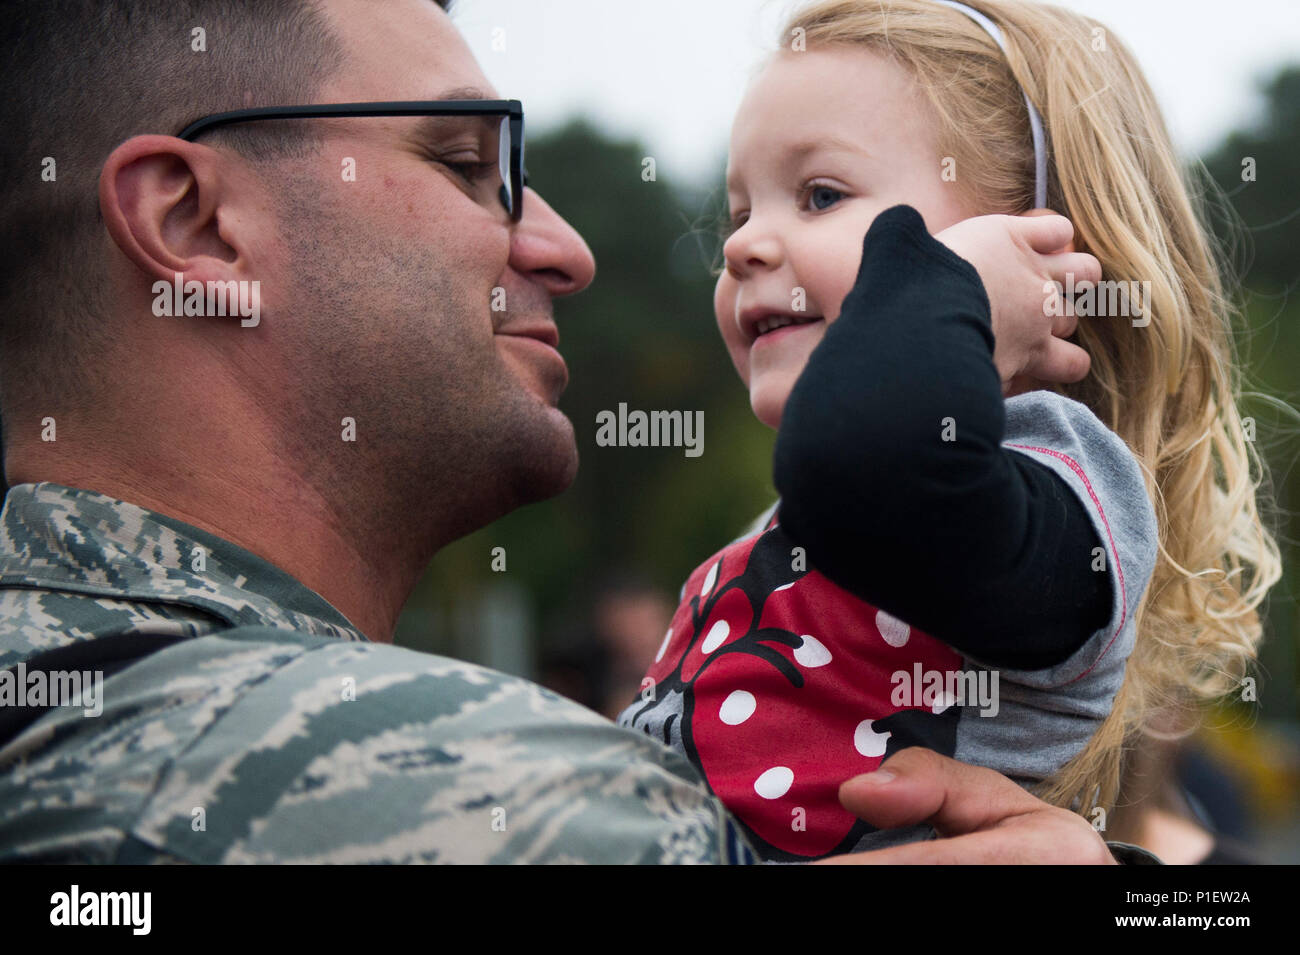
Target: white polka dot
x,y
812,653
774,783
867,741
892,629
737,707
710,579
716,636
944,701
784,586
663,647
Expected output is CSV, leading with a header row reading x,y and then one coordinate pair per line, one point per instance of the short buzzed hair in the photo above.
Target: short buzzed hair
x,y
82,76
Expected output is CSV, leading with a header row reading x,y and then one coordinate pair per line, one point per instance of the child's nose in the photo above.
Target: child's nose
x,y
749,250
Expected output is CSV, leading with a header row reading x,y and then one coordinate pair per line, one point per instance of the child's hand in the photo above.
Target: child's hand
x,y
1016,256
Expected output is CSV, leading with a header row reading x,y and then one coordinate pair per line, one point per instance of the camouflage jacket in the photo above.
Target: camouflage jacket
x,y
241,718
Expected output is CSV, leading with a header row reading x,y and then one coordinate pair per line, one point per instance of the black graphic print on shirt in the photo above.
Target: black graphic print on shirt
x,y
779,686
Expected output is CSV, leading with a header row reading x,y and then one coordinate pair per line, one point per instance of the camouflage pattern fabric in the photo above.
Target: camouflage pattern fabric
x,y
268,729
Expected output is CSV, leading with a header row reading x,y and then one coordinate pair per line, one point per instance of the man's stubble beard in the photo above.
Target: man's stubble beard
x,y
450,437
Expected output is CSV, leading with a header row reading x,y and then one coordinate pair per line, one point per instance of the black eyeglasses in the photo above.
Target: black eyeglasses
x,y
510,151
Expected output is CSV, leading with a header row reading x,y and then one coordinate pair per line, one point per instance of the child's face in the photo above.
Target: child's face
x,y
824,142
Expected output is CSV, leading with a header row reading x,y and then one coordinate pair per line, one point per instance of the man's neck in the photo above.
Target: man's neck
x,y
364,559
304,539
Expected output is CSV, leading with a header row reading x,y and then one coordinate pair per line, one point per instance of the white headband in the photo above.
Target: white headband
x,y
1035,123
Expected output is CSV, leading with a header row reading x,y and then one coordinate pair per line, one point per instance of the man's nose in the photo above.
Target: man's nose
x,y
548,250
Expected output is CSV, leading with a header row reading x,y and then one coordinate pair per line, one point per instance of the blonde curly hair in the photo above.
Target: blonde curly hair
x,y
1171,388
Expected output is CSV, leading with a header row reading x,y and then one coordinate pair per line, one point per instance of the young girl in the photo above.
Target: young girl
x,y
1015,582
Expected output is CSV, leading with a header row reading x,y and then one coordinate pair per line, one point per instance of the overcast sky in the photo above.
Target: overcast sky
x,y
672,72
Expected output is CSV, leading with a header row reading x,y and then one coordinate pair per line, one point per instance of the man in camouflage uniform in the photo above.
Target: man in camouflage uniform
x,y
267,728
186,521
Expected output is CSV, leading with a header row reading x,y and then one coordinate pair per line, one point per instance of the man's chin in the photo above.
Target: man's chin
x,y
549,465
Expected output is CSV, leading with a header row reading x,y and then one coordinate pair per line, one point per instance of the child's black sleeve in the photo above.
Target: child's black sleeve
x,y
893,477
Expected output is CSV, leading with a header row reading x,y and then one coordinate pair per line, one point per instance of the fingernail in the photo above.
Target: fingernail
x,y
878,778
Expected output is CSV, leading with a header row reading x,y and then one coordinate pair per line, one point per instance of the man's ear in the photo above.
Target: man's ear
x,y
166,203
1069,246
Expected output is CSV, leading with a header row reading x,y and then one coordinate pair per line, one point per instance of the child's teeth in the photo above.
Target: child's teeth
x,y
773,322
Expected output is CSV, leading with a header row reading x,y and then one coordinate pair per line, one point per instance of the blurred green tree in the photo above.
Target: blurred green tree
x,y
1255,214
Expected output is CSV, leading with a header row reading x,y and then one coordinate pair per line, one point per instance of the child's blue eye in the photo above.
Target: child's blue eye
x,y
823,197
